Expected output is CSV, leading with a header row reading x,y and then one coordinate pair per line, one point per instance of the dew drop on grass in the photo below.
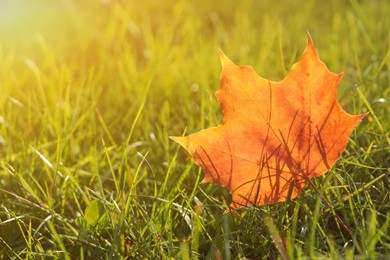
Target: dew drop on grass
x,y
379,100
2,141
194,87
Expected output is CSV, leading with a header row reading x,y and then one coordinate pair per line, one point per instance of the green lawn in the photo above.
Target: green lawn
x,y
91,90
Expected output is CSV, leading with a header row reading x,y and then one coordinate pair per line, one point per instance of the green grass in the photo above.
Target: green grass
x,y
90,92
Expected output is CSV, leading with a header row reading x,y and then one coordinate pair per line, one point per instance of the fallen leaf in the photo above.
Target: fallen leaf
x,y
275,135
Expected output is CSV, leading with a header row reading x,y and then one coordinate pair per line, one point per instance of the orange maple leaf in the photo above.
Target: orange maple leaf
x,y
275,135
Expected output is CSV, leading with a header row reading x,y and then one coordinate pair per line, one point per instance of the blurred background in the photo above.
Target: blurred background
x,y
94,88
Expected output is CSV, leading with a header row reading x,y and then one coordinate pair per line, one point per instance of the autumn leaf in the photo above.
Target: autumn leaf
x,y
275,135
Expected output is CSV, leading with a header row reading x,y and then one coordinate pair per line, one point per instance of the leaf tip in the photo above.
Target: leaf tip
x,y
361,116
183,141
177,139
310,43
310,50
225,61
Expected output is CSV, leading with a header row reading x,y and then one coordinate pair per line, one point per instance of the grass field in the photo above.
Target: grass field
x,y
90,91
